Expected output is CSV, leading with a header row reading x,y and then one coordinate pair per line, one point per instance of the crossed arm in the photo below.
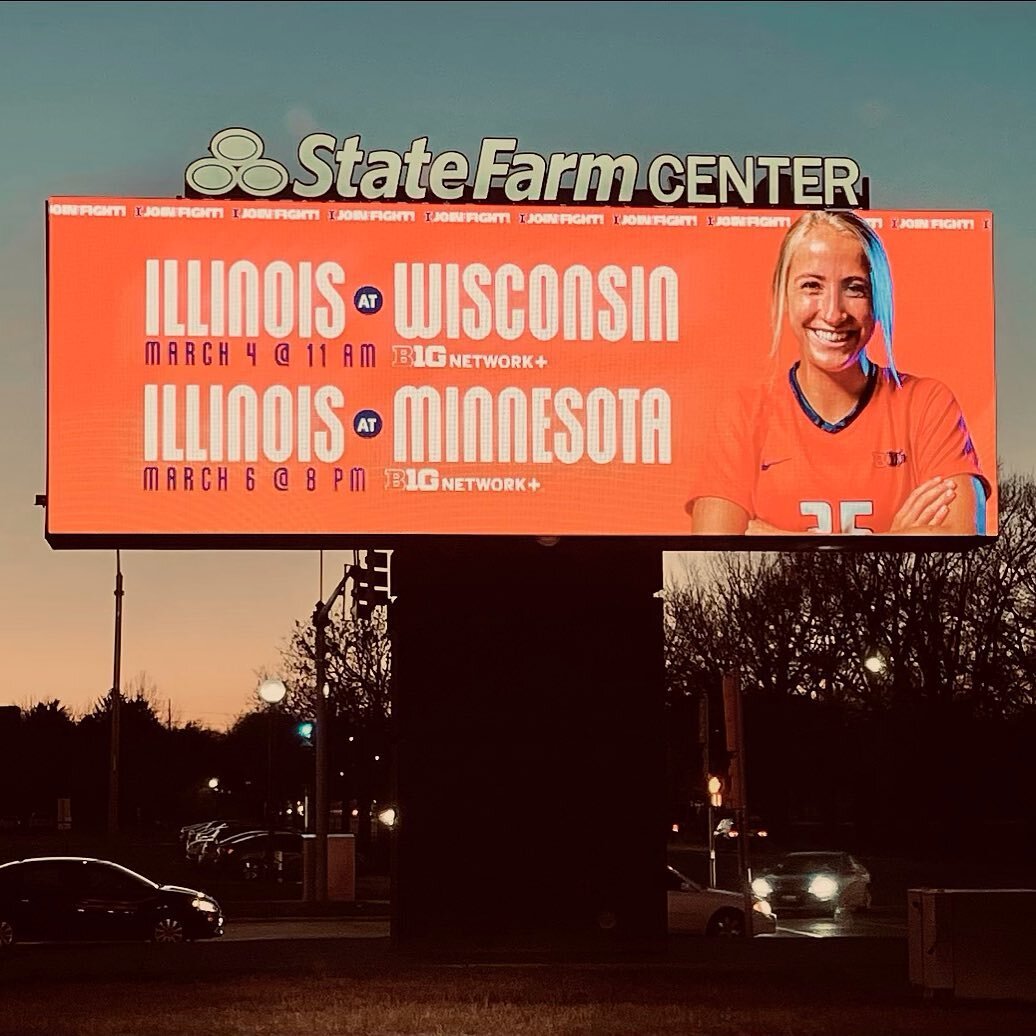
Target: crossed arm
x,y
952,506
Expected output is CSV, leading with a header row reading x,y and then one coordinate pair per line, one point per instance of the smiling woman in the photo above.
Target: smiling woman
x,y
841,446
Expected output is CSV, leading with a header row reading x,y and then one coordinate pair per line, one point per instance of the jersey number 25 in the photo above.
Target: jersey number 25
x,y
848,512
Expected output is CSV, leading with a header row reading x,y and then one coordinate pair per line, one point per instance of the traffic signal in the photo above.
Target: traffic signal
x,y
379,562
305,731
715,791
372,583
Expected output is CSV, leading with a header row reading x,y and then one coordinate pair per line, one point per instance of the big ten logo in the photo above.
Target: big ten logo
x,y
419,356
421,480
235,162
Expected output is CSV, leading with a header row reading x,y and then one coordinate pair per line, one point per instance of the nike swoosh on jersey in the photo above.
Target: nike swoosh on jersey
x,y
767,464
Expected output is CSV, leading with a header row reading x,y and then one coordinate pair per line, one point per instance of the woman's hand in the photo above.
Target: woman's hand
x,y
927,507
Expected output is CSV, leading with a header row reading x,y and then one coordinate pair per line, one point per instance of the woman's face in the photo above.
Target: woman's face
x,y
829,299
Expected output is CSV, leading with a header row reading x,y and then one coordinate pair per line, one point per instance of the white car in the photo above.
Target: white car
x,y
823,883
694,910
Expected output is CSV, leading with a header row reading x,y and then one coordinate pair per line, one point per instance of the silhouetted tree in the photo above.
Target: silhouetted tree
x,y
264,758
359,682
955,639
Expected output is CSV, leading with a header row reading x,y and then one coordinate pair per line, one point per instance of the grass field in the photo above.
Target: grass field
x,y
531,1003
326,987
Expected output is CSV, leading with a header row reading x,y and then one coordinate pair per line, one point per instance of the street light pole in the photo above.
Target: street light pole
x,y
269,772
734,721
272,692
320,743
116,702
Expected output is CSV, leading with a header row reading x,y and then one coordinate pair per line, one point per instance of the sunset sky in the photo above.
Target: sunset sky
x,y
935,101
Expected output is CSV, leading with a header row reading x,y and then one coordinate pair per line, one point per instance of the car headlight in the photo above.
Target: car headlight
x,y
823,887
763,907
762,888
206,906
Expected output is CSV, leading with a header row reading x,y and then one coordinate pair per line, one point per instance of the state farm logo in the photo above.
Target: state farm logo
x,y
235,163
502,173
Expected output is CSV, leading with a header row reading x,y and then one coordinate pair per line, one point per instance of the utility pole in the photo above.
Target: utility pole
x,y
322,738
738,794
707,783
116,702
370,588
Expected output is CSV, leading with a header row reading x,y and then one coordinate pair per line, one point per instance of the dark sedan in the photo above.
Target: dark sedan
x,y
73,898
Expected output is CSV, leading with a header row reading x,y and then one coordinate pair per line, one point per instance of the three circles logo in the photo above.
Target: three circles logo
x,y
235,162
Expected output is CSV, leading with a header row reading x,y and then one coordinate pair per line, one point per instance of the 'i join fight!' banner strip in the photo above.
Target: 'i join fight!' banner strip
x,y
284,370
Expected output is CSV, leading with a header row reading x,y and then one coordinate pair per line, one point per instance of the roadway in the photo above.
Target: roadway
x,y
254,930
876,924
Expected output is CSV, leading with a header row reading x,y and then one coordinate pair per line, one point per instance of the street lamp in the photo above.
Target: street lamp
x,y
272,692
875,664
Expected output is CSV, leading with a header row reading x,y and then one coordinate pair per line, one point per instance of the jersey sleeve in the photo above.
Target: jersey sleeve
x,y
942,443
726,459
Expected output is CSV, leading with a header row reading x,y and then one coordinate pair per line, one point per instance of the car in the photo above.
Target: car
x,y
204,851
253,855
825,883
696,910
201,848
74,898
203,832
191,831
280,865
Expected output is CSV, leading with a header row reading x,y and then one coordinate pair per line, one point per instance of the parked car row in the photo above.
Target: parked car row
x,y
243,851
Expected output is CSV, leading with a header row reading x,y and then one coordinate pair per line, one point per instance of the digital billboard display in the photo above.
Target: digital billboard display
x,y
272,372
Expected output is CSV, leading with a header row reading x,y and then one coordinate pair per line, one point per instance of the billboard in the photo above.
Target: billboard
x,y
279,373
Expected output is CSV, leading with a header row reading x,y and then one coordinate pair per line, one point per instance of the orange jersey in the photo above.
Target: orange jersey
x,y
782,463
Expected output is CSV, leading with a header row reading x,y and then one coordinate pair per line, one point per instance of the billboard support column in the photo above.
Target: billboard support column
x,y
116,702
528,697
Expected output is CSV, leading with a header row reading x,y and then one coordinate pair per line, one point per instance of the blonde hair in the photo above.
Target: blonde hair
x,y
878,270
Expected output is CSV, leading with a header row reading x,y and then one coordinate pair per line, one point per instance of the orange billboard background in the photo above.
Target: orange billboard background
x,y
148,439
